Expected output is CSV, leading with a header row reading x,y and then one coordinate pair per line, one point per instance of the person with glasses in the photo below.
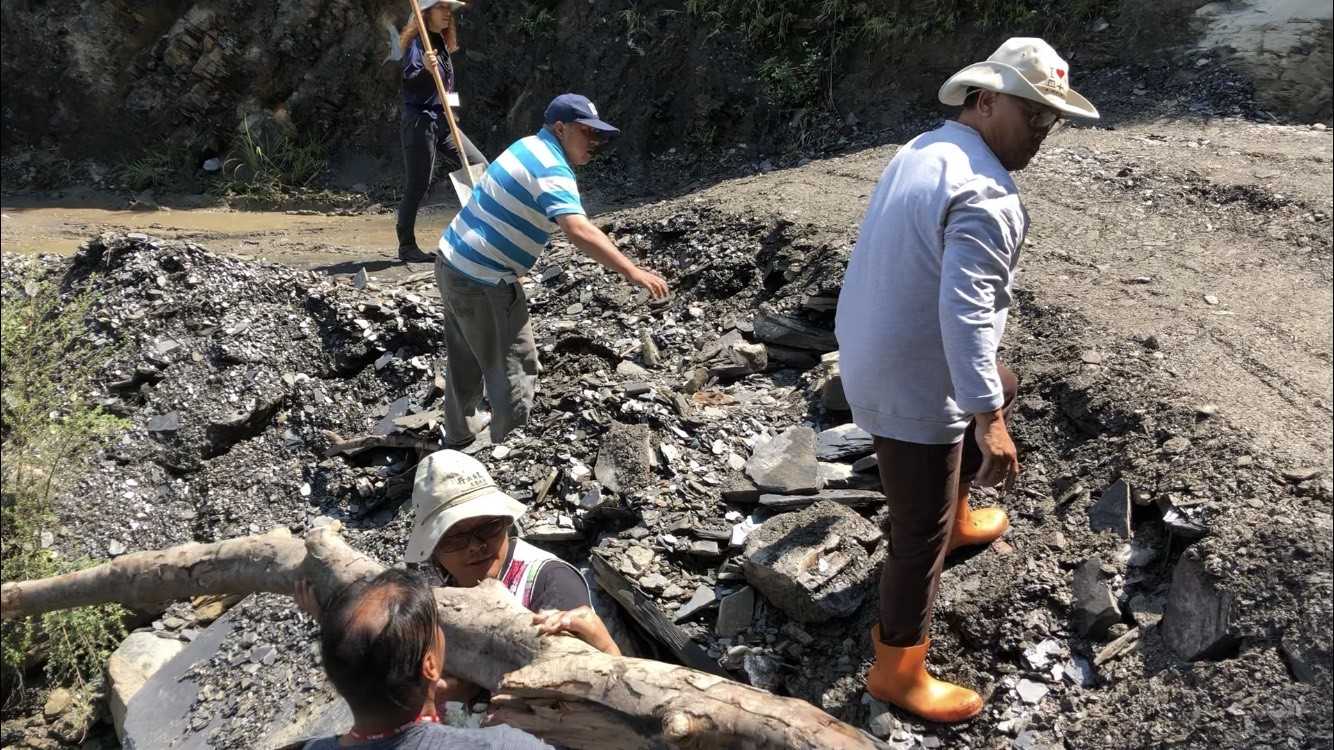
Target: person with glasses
x,y
526,194
463,535
920,318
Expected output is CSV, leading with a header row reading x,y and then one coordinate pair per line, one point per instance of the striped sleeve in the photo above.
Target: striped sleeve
x,y
559,194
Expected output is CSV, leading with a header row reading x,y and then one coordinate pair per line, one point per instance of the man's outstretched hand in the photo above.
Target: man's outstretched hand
x,y
655,284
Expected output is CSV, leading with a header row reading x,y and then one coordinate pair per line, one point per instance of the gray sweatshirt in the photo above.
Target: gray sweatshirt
x,y
928,288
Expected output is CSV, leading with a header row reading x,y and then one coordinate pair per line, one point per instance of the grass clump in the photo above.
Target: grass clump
x,y
267,162
48,424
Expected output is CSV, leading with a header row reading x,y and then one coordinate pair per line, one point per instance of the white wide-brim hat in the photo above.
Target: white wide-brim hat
x,y
451,4
1023,66
450,487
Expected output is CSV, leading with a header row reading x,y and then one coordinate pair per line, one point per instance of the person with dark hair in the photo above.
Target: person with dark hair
x,y
920,318
423,131
384,651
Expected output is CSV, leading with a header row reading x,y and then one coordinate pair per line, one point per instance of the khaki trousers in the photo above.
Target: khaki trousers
x,y
489,345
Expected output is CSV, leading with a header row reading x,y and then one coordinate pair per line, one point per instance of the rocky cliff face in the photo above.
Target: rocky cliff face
x,y
111,80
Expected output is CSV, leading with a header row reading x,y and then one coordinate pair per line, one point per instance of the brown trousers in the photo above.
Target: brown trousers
x,y
921,485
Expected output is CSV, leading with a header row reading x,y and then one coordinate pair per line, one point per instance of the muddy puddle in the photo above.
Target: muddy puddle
x,y
329,243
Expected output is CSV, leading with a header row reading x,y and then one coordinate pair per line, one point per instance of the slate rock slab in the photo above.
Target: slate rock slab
x,y
786,464
814,564
842,443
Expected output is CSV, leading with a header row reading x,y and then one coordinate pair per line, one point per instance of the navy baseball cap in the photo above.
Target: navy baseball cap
x,y
576,108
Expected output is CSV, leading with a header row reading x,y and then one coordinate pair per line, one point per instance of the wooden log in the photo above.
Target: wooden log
x,y
556,687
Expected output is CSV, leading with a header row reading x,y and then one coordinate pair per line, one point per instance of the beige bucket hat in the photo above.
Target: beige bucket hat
x,y
1022,66
450,487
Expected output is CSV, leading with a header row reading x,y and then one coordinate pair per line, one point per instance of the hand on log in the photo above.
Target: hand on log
x,y
555,686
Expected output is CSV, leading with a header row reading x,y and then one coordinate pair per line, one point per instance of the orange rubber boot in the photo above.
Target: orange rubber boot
x,y
972,527
899,677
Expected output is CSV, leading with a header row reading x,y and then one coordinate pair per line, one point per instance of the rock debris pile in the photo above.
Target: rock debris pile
x,y
696,457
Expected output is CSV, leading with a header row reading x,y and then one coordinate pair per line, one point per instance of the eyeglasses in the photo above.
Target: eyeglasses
x,y
1039,117
481,535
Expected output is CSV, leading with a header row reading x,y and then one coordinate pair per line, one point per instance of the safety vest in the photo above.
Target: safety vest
x,y
521,575
526,561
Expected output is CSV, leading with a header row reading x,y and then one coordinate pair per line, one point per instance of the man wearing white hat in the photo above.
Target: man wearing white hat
x,y
920,319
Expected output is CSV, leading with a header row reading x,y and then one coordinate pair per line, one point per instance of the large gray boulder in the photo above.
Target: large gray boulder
x,y
136,659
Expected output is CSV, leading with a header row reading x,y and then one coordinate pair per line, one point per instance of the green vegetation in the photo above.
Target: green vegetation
x,y
802,46
270,162
535,20
48,425
161,168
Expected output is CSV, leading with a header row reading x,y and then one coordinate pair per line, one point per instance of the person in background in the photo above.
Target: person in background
x,y
920,319
384,651
423,130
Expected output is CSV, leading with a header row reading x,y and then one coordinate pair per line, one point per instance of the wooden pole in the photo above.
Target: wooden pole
x,y
442,93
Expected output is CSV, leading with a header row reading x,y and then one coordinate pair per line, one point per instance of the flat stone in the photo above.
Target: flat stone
x,y
739,490
395,411
1179,521
419,420
1031,692
814,564
551,533
1112,511
850,498
1297,476
640,557
786,464
838,476
774,328
1196,623
165,423
654,582
705,548
637,388
625,458
703,598
866,463
735,613
628,370
883,725
1095,607
847,441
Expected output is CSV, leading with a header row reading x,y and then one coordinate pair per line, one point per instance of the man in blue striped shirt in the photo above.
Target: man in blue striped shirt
x,y
526,194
